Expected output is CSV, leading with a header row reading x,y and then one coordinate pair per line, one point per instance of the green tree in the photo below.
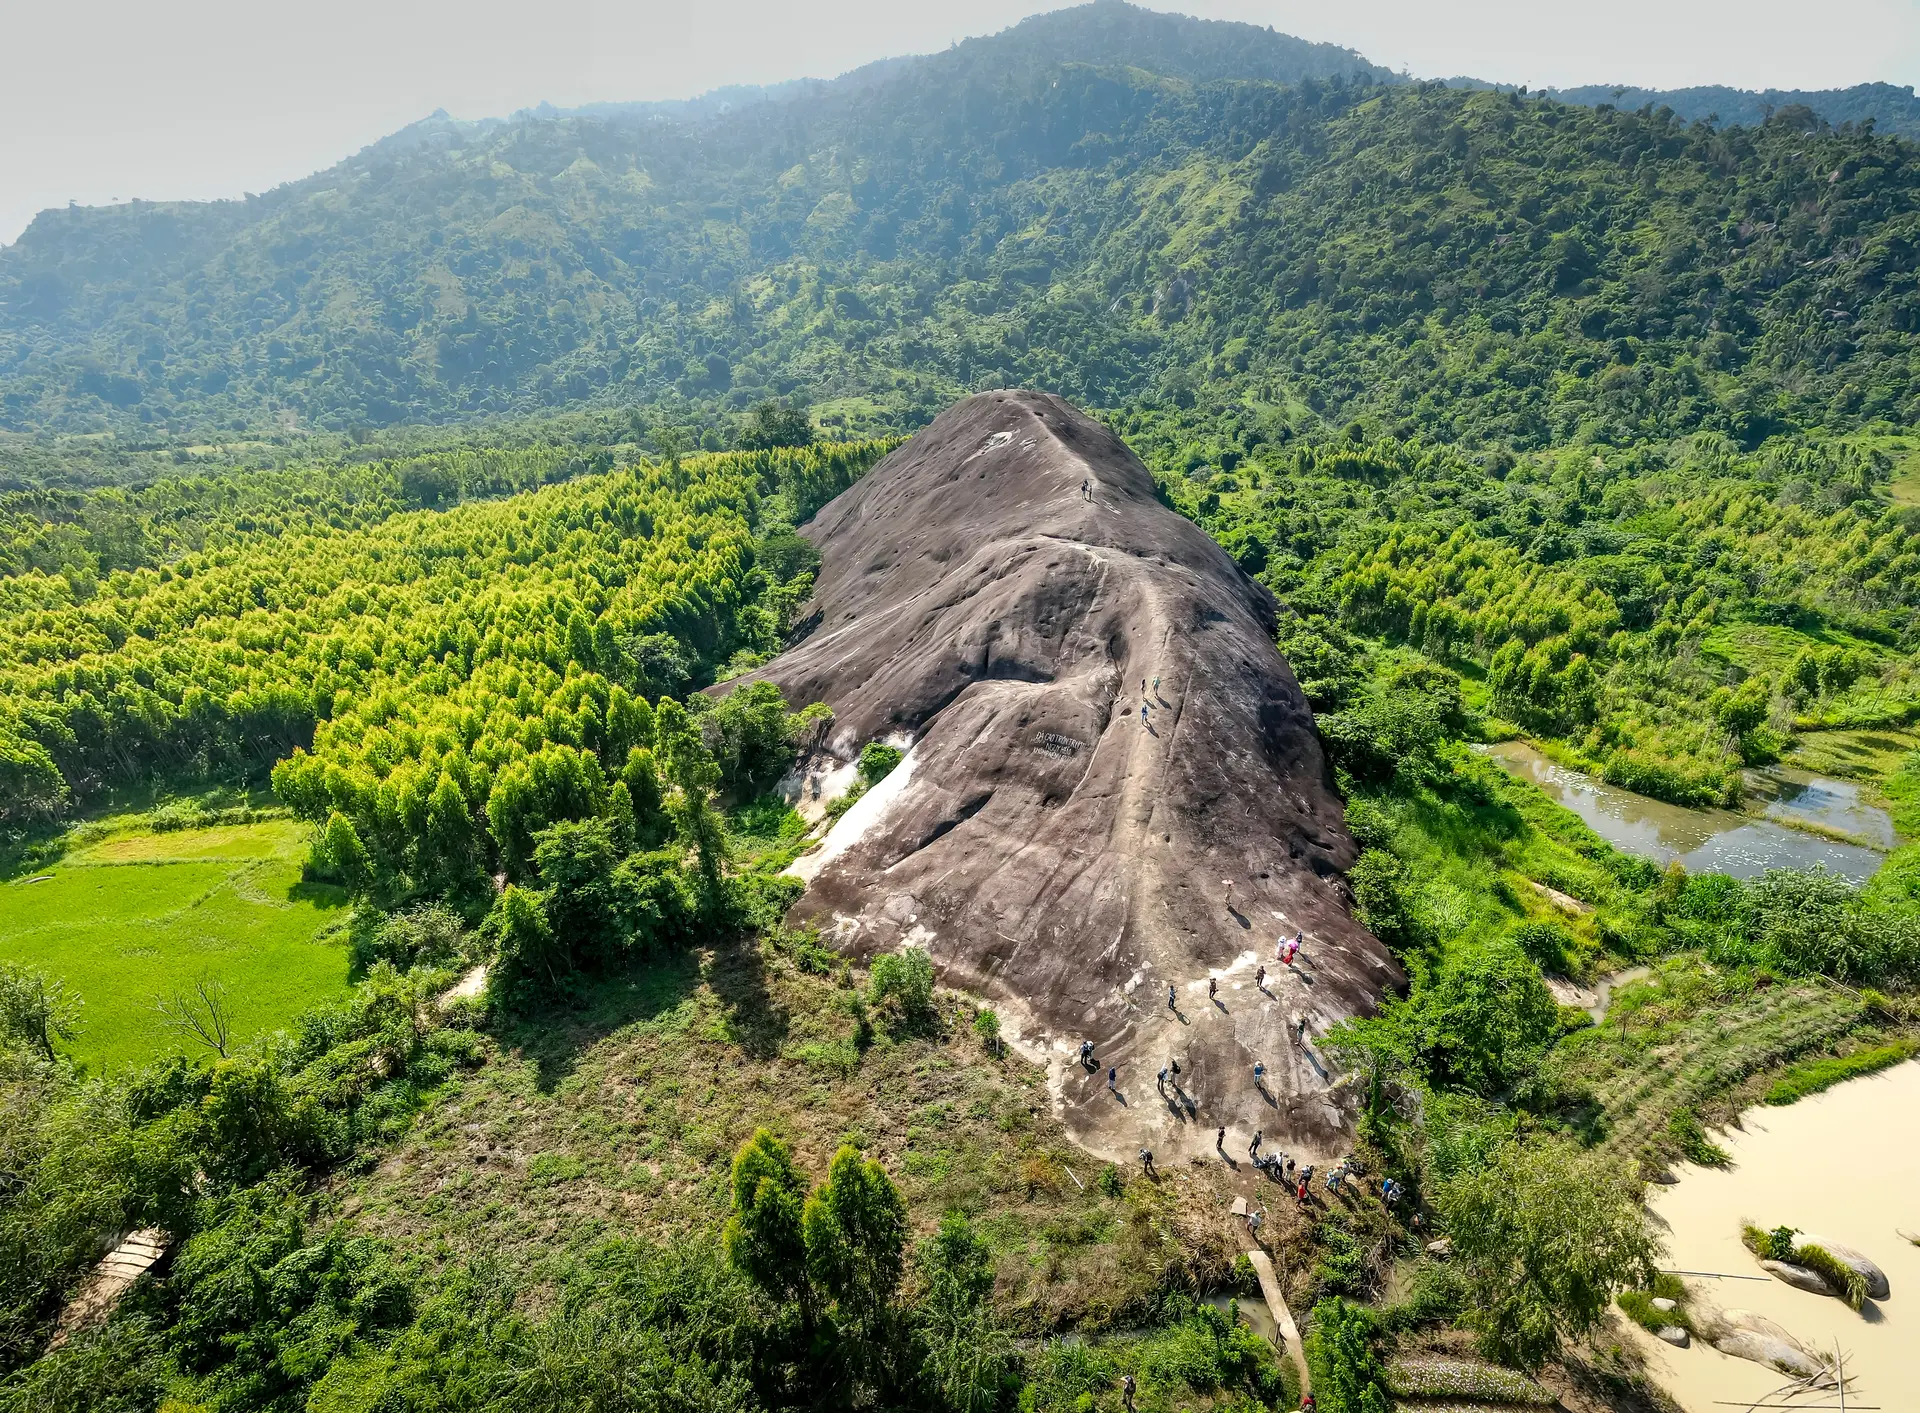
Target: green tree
x,y
528,955
969,1359
36,1010
900,987
855,1226
1545,1236
773,424
1486,1020
763,1235
345,855
1342,1348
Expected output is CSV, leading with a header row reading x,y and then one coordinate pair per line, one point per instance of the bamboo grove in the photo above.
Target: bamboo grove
x,y
496,649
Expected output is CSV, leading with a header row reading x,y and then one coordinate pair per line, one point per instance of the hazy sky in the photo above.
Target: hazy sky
x,y
104,100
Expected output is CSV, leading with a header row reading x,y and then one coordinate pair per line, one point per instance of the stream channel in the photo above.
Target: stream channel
x,y
1717,840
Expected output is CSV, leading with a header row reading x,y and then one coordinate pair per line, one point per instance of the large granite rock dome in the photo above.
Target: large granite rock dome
x,y
1055,853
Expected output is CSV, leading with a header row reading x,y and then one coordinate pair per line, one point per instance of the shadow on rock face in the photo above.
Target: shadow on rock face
x,y
1055,848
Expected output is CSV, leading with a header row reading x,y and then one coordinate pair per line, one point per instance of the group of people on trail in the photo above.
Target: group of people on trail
x,y
1145,700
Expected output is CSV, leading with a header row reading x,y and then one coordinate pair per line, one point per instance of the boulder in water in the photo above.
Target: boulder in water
x,y
1742,1334
1799,1277
1878,1287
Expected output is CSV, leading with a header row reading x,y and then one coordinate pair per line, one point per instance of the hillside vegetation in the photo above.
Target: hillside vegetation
x,y
1062,206
1673,612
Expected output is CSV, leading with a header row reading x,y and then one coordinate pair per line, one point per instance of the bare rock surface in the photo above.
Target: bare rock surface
x,y
1799,1277
1002,592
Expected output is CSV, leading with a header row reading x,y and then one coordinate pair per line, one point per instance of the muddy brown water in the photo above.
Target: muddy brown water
x,y
1845,1165
1716,840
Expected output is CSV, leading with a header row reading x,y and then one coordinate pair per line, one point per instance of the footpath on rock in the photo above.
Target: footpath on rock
x,y
1112,785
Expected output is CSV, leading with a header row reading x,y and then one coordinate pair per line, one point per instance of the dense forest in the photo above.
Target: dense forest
x,y
1045,207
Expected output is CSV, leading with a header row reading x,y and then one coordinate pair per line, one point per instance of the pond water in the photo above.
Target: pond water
x,y
1253,1313
1716,840
1844,1165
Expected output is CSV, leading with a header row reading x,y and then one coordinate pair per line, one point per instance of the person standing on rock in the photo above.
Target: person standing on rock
x,y
1255,1219
1259,1075
1260,978
1086,490
1220,1141
1146,1161
1213,988
1113,1075
1253,1148
1086,1052
1229,883
1163,1079
1172,1005
1143,713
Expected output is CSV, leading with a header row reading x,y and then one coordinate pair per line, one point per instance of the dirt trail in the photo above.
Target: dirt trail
x,y
1053,851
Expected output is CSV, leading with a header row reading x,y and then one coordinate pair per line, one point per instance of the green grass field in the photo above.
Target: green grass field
x,y
134,915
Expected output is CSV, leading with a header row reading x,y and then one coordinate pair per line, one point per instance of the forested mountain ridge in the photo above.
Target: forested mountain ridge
x,y
1893,108
1147,225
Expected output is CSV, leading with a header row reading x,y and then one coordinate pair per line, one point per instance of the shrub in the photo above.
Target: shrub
x,y
1548,944
986,1025
900,987
877,762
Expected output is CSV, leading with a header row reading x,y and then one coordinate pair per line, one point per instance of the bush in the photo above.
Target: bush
x,y
1551,946
986,1025
1433,1377
900,987
877,762
432,934
1380,887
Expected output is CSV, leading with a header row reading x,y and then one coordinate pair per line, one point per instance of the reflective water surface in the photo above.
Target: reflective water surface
x,y
1715,840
